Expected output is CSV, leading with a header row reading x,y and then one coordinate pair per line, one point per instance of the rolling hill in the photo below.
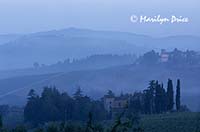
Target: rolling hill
x,y
52,46
6,38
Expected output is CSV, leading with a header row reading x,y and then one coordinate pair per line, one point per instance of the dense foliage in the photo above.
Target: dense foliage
x,y
173,122
155,99
55,106
175,58
53,111
178,95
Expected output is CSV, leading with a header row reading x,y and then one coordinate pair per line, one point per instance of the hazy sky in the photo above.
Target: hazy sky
x,y
25,16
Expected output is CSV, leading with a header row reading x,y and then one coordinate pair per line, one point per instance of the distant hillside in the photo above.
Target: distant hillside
x,y
8,38
67,65
49,47
96,82
52,46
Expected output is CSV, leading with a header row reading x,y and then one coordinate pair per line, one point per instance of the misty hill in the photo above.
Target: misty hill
x,y
67,65
98,73
183,42
49,47
96,82
8,38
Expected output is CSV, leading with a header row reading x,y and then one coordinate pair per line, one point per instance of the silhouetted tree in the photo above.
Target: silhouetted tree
x,y
110,93
149,100
170,95
32,108
160,99
1,123
90,127
78,94
36,65
56,106
149,58
135,104
178,96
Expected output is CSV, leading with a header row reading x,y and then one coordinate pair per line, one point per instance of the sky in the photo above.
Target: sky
x,y
27,16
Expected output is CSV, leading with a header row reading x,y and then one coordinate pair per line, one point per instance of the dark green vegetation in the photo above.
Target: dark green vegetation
x,y
155,99
158,108
147,111
173,122
178,95
170,94
55,106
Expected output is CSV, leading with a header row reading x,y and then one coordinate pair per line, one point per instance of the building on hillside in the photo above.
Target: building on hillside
x,y
164,55
115,105
108,102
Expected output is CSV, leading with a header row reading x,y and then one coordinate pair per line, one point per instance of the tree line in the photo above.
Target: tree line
x,y
55,106
176,58
156,99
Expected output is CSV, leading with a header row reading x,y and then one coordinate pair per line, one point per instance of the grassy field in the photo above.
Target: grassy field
x,y
172,122
175,122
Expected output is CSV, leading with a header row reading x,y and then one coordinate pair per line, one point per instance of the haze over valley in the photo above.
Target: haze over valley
x,y
96,61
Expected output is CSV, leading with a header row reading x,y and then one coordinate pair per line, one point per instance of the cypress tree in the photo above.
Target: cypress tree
x,y
170,95
178,96
163,99
160,99
152,86
1,123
